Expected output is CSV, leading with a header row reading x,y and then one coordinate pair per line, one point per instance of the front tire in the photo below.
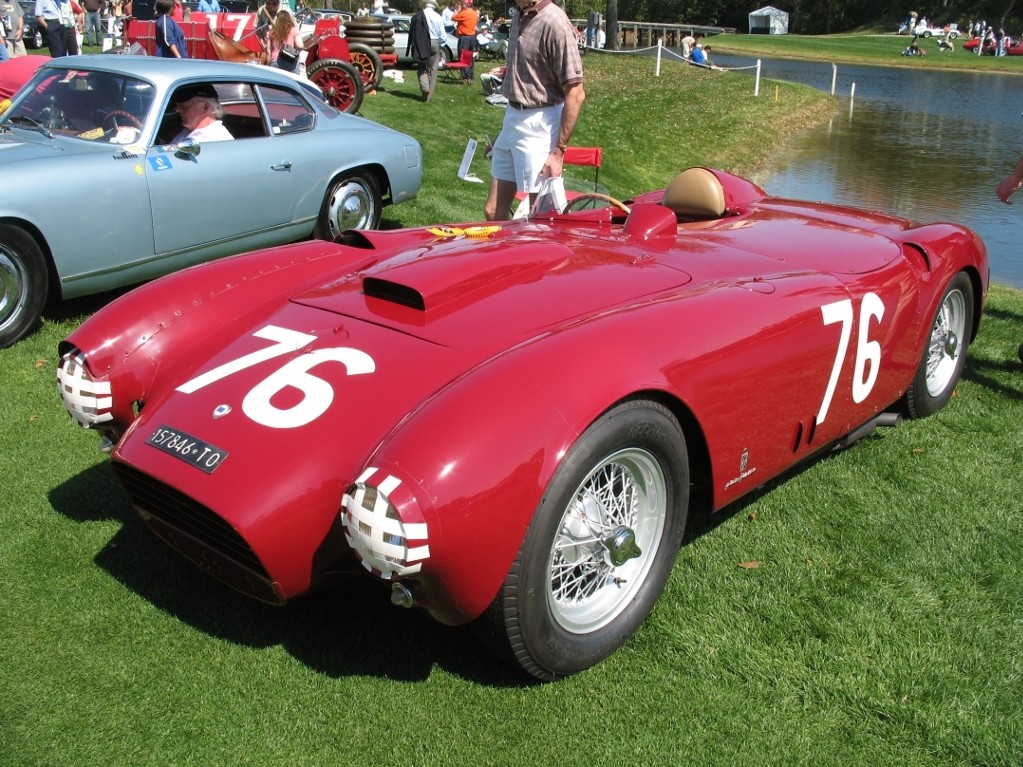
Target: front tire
x,y
23,284
942,362
352,202
600,547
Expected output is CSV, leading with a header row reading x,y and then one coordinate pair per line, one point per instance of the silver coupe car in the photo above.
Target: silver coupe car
x,y
107,190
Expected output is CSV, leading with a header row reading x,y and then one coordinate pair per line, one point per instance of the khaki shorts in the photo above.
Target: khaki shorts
x,y
526,140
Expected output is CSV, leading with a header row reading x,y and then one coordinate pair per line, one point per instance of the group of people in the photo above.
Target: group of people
x,y
696,52
428,32
378,9
276,28
989,39
61,21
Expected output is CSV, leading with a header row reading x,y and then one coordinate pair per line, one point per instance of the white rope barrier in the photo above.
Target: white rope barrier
x,y
662,50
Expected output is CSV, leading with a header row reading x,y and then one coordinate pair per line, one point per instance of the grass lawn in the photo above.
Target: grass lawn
x,y
863,611
865,48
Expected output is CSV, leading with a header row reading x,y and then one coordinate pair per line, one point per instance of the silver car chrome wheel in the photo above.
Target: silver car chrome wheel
x,y
351,203
946,342
22,284
13,287
606,542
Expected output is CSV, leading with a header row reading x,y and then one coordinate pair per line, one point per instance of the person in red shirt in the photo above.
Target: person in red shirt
x,y
466,19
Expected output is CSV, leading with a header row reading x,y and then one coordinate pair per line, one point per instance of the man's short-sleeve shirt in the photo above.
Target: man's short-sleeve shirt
x,y
543,57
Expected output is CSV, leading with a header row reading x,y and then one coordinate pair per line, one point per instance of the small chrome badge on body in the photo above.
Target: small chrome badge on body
x,y
221,410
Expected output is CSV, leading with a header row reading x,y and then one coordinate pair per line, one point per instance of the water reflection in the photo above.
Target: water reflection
x,y
926,145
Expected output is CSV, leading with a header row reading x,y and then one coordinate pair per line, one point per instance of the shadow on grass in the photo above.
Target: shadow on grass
x,y
59,311
350,630
984,373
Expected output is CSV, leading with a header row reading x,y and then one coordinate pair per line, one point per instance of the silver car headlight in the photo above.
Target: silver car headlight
x,y
383,540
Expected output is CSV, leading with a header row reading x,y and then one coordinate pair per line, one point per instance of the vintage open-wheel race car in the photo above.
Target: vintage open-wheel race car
x,y
343,71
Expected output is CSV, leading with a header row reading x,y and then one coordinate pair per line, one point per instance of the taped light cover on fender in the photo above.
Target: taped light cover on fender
x,y
88,402
384,544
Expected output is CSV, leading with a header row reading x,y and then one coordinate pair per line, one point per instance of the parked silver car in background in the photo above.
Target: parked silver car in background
x,y
107,196
402,23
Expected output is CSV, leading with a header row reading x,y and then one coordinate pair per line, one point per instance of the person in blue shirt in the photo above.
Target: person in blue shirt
x,y
209,6
170,40
697,56
57,20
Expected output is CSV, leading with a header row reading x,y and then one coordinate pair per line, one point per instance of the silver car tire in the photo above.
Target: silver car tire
x,y
23,284
944,354
352,202
600,547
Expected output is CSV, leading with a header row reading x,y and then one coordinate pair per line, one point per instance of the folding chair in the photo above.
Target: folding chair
x,y
454,69
586,156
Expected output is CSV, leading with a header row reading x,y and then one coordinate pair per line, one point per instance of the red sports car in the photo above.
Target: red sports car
x,y
509,424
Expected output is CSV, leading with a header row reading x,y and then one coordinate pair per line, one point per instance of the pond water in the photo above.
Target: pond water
x,y
930,146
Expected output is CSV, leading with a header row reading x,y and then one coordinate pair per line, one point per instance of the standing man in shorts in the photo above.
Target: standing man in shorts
x,y
544,87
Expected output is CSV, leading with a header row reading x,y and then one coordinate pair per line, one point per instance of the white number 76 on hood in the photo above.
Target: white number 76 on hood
x,y
317,394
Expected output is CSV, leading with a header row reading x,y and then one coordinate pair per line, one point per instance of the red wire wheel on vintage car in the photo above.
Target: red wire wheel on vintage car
x,y
340,82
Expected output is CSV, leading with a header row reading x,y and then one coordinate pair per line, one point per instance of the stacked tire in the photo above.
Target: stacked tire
x,y
375,33
368,37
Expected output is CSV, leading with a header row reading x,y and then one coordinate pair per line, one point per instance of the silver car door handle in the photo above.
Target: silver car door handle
x,y
286,165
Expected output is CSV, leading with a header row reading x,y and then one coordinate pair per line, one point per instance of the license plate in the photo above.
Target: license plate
x,y
201,455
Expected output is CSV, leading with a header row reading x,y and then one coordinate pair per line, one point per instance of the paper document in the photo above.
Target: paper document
x,y
463,169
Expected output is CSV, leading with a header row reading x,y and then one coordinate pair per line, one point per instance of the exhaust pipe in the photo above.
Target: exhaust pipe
x,y
882,419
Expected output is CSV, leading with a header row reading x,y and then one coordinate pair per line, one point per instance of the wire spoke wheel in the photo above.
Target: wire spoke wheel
x,y
607,540
945,344
599,548
340,83
943,358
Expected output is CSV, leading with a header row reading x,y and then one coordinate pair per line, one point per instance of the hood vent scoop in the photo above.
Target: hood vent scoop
x,y
460,272
393,292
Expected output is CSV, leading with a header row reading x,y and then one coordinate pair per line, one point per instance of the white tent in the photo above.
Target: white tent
x,y
769,21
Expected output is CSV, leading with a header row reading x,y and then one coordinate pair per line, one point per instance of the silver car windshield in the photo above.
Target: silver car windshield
x,y
86,105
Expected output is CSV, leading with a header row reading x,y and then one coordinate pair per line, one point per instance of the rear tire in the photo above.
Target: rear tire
x,y
352,202
943,357
367,62
600,547
23,284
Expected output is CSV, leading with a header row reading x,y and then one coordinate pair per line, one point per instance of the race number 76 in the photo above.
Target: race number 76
x,y
317,394
868,353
